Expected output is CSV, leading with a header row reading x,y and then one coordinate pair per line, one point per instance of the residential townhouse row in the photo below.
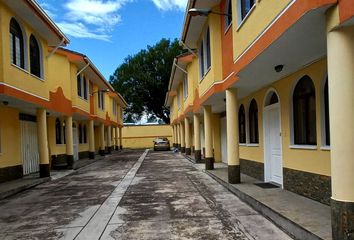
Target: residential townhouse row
x,y
267,88
55,105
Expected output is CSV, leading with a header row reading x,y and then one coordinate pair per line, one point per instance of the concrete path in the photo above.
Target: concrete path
x,y
130,196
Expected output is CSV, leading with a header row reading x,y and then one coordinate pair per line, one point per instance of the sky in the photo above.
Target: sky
x,y
107,31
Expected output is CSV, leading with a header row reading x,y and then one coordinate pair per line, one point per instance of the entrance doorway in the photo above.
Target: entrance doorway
x,y
29,144
75,142
272,139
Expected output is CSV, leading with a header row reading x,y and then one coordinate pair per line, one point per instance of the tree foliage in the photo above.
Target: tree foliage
x,y
143,80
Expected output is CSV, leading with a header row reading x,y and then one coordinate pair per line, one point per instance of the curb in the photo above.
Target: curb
x,y
293,229
24,187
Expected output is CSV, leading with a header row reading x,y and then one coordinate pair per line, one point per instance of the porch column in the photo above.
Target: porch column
x,y
188,136
341,113
233,159
174,136
69,141
44,170
196,128
109,139
117,138
102,144
120,138
182,138
209,158
91,135
178,137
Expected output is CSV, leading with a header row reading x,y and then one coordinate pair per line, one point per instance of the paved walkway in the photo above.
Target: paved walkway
x,y
130,196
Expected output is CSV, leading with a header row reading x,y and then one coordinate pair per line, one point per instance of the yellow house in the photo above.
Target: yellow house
x,y
271,85
52,100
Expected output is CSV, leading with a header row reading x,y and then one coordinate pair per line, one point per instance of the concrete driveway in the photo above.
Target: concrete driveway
x,y
133,195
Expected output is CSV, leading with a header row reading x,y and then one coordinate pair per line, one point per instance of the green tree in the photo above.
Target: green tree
x,y
143,80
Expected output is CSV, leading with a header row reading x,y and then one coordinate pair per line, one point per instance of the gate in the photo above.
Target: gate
x,y
29,146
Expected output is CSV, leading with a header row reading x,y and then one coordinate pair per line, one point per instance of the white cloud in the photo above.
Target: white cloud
x,y
167,5
93,19
79,30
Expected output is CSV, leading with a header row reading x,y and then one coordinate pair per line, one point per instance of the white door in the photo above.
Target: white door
x,y
75,143
223,135
273,151
29,147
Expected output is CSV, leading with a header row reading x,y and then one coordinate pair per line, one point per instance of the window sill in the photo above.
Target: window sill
x,y
227,28
205,74
253,145
247,16
242,144
305,147
83,99
326,148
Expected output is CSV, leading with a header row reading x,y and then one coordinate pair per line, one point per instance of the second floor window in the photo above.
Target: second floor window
x,y
16,44
185,87
246,6
205,54
82,87
114,107
100,100
35,57
228,10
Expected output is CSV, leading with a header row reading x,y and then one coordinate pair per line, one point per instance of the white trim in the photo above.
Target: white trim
x,y
216,83
265,30
242,144
242,21
75,106
306,147
252,144
18,89
325,148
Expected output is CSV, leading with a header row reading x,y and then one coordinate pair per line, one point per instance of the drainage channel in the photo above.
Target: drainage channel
x,y
97,224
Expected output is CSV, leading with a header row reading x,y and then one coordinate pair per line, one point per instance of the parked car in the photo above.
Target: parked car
x,y
161,144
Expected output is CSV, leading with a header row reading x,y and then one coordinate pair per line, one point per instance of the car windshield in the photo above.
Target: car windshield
x,y
161,140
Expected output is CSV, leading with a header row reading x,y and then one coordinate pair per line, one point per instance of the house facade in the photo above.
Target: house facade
x,y
266,88
55,105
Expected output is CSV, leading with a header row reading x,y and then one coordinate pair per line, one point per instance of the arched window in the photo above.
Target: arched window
x,y
304,112
246,6
228,10
242,124
326,113
253,122
35,57
273,99
16,44
85,134
80,133
58,131
64,134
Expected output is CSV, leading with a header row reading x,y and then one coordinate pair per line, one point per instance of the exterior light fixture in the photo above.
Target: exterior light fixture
x,y
5,103
204,12
279,68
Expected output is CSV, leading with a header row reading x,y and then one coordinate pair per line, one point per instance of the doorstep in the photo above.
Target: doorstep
x,y
298,216
13,187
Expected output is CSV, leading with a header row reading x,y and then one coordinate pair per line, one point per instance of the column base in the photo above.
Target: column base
x,y
109,150
44,170
209,163
188,151
121,147
117,148
91,155
234,174
183,149
179,146
70,161
342,220
198,156
101,152
203,151
193,149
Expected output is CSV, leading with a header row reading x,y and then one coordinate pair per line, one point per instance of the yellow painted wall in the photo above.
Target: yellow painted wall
x,y
55,80
315,161
13,75
10,137
215,72
216,137
252,26
143,136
